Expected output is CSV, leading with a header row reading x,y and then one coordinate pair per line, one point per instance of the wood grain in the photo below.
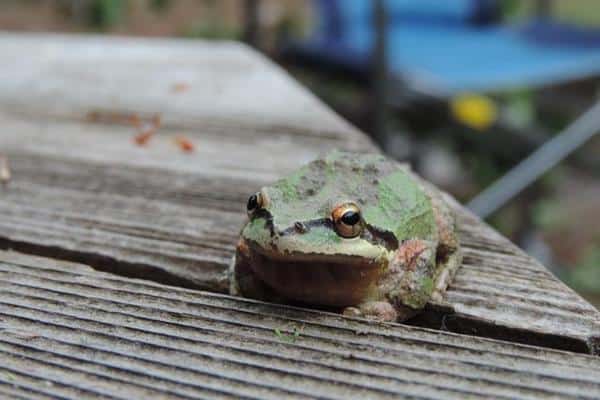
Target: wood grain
x,y
228,85
70,332
82,190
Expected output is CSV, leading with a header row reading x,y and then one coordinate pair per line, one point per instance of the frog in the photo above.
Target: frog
x,y
361,234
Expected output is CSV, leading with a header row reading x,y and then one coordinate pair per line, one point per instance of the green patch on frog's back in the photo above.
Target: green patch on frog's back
x,y
288,186
362,160
402,207
390,199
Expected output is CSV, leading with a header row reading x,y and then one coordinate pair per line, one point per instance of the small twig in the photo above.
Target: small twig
x,y
110,117
156,121
179,87
144,135
134,120
184,144
146,130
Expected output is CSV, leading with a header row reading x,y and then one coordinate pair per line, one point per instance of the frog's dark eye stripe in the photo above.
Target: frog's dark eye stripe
x,y
252,203
347,220
256,202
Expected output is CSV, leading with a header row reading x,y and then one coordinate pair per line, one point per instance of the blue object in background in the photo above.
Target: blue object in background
x,y
442,47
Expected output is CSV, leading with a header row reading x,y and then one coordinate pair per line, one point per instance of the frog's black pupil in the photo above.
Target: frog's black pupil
x,y
252,203
350,218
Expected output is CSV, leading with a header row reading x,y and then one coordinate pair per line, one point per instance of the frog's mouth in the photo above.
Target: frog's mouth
x,y
329,280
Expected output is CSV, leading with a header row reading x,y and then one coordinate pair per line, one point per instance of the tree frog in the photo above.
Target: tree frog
x,y
359,233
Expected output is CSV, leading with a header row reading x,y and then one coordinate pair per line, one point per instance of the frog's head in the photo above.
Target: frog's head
x,y
321,235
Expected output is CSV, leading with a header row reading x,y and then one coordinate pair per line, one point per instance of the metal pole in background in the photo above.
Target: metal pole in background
x,y
539,162
251,10
379,75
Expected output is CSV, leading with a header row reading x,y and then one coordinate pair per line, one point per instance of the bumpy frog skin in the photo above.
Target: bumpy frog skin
x,y
359,233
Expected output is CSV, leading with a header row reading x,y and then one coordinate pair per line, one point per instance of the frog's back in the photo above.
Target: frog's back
x,y
390,197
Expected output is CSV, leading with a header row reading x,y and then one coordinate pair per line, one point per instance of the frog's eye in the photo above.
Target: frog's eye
x,y
347,220
256,202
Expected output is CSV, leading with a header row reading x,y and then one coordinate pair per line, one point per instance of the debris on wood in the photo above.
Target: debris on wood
x,y
93,116
184,144
5,174
180,87
114,117
290,337
156,120
134,120
146,130
142,138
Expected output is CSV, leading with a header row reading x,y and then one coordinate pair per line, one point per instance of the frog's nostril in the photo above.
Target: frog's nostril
x,y
300,227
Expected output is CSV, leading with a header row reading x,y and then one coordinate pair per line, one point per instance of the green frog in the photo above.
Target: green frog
x,y
359,233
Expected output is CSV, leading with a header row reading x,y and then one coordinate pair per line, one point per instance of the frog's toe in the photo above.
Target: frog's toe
x,y
352,312
375,310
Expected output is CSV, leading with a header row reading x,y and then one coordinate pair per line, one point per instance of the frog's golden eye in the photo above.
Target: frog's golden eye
x,y
347,220
256,202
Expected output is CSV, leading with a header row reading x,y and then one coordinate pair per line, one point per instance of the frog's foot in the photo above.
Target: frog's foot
x,y
374,310
445,274
448,253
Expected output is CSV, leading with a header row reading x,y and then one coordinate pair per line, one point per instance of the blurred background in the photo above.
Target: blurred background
x,y
464,90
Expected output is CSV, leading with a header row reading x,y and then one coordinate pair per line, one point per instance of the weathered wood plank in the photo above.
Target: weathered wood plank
x,y
81,190
507,294
68,331
228,85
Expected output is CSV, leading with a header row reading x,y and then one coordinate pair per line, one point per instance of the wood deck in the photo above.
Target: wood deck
x,y
82,191
71,331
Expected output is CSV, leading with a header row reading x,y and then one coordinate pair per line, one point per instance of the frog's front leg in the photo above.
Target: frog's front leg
x,y
409,281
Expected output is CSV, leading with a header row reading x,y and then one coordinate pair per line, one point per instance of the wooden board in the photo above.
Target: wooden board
x,y
503,293
67,331
218,86
83,191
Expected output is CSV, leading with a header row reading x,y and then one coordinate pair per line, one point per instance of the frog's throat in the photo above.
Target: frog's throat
x,y
329,280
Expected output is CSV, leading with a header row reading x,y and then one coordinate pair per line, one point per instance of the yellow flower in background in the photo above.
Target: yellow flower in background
x,y
474,110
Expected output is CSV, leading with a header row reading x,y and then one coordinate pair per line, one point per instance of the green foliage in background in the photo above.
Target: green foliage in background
x,y
212,27
106,13
212,30
580,12
483,168
519,108
585,276
547,214
510,8
159,5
